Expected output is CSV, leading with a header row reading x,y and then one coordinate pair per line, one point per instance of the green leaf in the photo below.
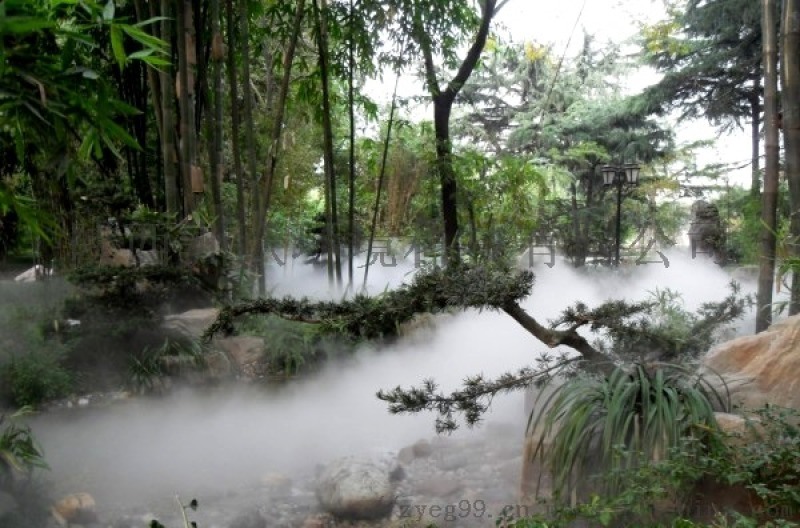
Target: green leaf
x,y
23,24
117,46
145,39
108,11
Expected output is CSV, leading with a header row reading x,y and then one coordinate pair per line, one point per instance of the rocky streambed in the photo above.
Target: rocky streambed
x,y
467,480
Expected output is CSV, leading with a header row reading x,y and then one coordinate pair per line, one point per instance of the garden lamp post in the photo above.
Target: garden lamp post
x,y
627,174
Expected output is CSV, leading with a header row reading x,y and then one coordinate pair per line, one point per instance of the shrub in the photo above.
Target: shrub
x,y
767,464
18,449
648,409
35,378
154,363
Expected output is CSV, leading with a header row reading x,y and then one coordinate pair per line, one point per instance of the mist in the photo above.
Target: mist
x,y
196,442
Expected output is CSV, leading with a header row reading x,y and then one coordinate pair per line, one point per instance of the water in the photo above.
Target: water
x,y
145,450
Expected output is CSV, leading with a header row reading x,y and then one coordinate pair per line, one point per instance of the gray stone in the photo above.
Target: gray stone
x,y
191,323
203,246
353,488
453,461
246,354
706,233
8,504
277,485
440,486
251,519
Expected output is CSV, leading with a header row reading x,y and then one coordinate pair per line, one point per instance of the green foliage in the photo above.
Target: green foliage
x,y
630,333
709,51
364,317
767,461
662,493
291,346
133,288
19,451
647,409
35,378
147,368
660,329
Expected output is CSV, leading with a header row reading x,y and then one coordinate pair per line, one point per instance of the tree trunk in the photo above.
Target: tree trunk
x,y
769,198
265,185
442,108
790,52
185,30
168,153
258,263
755,138
351,229
233,86
217,155
381,177
321,12
579,250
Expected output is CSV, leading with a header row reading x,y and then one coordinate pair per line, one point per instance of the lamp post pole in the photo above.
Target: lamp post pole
x,y
619,176
619,182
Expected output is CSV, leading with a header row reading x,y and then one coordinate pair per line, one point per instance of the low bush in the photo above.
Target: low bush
x,y
35,378
674,490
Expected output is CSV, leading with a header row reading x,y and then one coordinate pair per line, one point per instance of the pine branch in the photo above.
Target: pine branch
x,y
473,400
367,317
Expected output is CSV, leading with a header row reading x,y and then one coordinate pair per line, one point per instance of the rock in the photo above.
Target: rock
x,y
353,488
419,449
422,449
218,366
251,519
453,461
731,423
147,257
439,486
8,504
203,246
114,256
246,354
318,521
192,323
406,455
277,485
37,272
706,233
77,508
762,368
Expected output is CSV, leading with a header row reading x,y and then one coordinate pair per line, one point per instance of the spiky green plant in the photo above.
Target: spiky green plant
x,y
19,451
647,409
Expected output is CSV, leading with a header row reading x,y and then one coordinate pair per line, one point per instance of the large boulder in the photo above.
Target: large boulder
x,y
761,368
246,355
191,323
354,488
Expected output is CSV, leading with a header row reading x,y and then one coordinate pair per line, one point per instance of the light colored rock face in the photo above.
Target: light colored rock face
x,y
762,368
192,323
78,508
731,423
353,488
203,246
243,351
